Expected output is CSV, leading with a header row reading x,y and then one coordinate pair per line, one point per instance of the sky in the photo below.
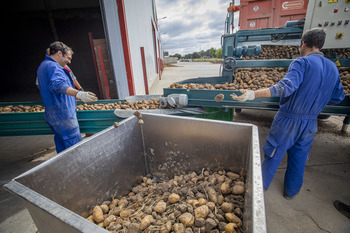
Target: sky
x,y
191,25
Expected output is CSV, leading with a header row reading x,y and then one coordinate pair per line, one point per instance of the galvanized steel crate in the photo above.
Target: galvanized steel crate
x,y
61,190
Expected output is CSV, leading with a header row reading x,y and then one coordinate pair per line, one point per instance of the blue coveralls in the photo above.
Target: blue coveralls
x,y
60,108
310,83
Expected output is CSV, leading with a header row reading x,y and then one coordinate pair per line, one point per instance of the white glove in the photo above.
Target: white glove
x,y
247,95
86,96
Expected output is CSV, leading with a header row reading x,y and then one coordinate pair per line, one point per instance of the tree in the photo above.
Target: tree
x,y
176,55
218,53
196,55
212,52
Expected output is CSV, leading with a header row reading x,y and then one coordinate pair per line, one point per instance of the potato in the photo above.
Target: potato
x,y
212,195
231,228
146,221
179,228
100,224
211,205
219,98
97,214
108,220
104,208
202,201
237,189
230,217
241,183
232,176
123,202
138,114
187,219
91,219
193,202
238,212
125,213
201,212
160,207
225,188
227,207
173,198
166,228
220,200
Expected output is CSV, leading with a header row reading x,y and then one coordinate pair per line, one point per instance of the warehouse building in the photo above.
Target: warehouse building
x,y
116,44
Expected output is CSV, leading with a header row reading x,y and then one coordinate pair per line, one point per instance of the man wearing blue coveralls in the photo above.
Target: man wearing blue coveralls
x,y
59,96
312,82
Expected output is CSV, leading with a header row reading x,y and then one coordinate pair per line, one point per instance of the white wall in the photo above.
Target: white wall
x,y
139,18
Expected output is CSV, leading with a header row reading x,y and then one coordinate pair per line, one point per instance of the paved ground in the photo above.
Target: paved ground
x,y
327,173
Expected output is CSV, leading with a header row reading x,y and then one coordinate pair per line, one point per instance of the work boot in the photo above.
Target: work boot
x,y
289,197
342,208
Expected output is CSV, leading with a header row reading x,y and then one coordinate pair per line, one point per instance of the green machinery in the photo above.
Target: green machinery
x,y
33,123
247,42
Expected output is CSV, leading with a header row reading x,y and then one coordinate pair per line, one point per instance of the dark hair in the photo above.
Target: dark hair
x,y
59,46
314,37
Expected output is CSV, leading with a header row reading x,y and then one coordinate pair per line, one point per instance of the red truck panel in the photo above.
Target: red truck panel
x,y
255,14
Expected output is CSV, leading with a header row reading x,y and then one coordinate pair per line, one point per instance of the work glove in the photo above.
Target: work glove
x,y
247,95
86,96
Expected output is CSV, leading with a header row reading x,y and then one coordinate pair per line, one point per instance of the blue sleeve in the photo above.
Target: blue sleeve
x,y
291,81
58,82
338,93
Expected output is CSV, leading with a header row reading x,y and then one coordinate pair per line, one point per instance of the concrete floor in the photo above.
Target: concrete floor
x,y
327,173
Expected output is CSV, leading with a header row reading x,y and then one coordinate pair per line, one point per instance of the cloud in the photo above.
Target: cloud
x,y
191,25
178,27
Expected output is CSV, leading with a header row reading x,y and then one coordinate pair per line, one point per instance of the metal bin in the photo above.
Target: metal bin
x,y
61,190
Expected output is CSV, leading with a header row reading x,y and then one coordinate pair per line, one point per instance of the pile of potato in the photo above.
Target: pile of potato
x,y
344,73
337,53
258,78
137,105
207,202
245,78
287,52
275,52
22,108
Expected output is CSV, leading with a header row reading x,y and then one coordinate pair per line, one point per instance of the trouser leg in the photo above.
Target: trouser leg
x,y
66,133
294,176
59,143
72,141
269,167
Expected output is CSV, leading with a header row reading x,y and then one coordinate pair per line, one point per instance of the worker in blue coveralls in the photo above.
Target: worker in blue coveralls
x,y
59,96
312,82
